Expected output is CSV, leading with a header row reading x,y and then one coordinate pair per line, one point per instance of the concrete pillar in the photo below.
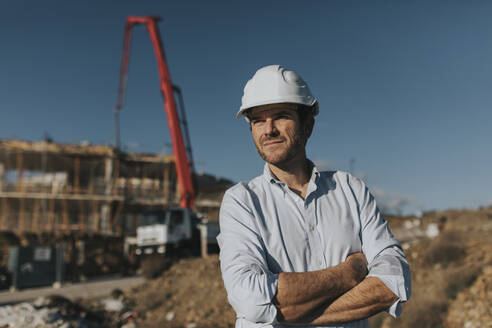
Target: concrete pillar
x,y
103,222
108,186
2,173
203,238
4,214
94,217
76,175
108,175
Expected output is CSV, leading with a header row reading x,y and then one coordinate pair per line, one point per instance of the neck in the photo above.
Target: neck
x,y
295,174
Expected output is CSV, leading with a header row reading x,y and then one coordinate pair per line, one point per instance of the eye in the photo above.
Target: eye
x,y
257,121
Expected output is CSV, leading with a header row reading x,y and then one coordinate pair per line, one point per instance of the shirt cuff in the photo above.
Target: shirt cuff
x,y
272,289
397,286
254,303
272,286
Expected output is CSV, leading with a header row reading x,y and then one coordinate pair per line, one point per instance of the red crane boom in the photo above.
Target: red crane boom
x,y
183,172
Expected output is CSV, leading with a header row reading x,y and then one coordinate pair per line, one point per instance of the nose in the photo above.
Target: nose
x,y
270,128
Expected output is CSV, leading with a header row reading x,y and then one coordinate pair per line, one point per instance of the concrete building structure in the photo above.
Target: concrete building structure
x,y
52,187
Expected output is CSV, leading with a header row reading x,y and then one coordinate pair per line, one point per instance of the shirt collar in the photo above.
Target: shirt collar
x,y
269,177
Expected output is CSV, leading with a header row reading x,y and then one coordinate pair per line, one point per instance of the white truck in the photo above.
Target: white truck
x,y
173,231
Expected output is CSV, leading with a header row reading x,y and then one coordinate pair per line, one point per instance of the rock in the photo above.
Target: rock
x,y
22,315
50,312
112,305
128,316
432,230
129,325
170,316
39,302
408,224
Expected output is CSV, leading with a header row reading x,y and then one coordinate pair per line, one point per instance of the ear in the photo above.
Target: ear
x,y
308,126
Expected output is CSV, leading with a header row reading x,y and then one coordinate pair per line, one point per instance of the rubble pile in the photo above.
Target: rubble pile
x,y
59,312
471,309
190,294
51,312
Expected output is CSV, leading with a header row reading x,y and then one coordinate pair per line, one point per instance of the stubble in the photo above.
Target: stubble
x,y
295,144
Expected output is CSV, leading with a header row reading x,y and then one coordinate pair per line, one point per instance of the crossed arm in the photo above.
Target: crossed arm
x,y
334,295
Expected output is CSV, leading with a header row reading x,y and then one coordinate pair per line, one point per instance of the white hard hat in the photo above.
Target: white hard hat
x,y
274,84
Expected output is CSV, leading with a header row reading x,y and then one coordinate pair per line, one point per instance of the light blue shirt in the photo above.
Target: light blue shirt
x,y
266,229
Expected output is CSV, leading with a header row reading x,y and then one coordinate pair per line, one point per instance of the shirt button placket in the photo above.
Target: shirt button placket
x,y
314,236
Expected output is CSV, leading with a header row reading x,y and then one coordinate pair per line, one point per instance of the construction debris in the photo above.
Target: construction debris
x,y
51,312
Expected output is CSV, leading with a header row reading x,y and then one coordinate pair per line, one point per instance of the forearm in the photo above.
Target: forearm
x,y
364,300
299,295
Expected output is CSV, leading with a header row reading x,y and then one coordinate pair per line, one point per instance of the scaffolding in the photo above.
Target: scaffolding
x,y
52,187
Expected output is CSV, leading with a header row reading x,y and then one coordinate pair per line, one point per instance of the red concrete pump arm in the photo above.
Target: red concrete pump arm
x,y
183,172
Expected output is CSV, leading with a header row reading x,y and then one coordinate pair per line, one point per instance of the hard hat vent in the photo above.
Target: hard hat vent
x,y
292,77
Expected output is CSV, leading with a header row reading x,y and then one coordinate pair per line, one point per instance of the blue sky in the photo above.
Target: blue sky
x,y
403,86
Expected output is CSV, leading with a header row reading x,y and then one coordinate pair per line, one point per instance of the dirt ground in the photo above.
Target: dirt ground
x,y
189,294
451,281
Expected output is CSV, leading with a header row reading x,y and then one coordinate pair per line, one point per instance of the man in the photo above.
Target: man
x,y
298,246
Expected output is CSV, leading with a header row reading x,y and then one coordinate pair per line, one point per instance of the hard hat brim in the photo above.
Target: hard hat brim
x,y
314,104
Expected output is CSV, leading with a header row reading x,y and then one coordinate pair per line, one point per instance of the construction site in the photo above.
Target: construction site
x,y
88,199
85,213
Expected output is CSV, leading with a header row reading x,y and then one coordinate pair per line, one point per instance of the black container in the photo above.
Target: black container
x,y
35,266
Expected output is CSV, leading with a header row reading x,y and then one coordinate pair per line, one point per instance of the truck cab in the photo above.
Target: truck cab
x,y
164,230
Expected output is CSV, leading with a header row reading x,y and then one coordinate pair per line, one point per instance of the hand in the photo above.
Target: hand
x,y
357,263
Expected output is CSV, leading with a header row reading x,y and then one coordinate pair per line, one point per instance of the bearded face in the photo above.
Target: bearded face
x,y
277,133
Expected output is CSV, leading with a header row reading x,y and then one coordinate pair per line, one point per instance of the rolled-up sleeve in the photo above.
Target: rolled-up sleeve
x,y
383,251
250,285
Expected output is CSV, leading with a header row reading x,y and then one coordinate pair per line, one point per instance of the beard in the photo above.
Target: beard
x,y
290,147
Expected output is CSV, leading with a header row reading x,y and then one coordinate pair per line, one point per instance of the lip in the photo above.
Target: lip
x,y
271,143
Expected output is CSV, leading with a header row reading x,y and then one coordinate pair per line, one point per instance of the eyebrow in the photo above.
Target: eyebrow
x,y
285,111
281,112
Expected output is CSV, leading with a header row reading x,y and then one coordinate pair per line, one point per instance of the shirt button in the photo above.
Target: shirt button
x,y
311,227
